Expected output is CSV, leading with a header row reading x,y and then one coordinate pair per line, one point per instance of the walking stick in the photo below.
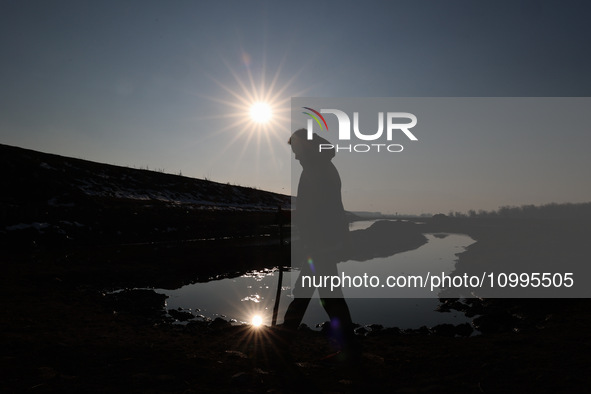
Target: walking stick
x,y
280,279
277,296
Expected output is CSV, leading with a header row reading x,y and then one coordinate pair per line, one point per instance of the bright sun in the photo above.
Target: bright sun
x,y
261,112
256,110
257,321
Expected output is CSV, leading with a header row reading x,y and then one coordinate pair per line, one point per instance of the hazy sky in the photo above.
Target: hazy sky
x,y
168,85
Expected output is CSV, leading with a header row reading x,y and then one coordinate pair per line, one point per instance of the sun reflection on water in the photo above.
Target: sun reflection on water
x,y
257,321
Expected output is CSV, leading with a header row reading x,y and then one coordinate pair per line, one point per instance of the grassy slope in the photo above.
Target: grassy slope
x,y
54,200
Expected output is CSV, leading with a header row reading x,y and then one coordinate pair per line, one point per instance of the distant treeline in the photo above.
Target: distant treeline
x,y
552,210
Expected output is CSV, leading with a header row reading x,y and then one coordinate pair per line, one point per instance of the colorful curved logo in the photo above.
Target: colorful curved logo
x,y
315,116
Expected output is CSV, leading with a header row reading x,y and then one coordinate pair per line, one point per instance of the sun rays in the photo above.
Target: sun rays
x,y
255,110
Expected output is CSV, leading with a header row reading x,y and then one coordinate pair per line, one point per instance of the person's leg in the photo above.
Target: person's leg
x,y
338,311
302,295
332,298
342,328
295,313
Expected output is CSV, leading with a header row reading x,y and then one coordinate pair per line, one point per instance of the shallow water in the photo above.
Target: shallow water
x,y
253,294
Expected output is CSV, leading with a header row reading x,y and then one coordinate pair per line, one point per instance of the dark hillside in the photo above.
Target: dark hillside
x,y
51,200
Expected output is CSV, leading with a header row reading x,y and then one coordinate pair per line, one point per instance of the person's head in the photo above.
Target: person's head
x,y
306,150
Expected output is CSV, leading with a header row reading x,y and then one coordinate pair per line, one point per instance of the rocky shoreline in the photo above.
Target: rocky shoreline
x,y
63,332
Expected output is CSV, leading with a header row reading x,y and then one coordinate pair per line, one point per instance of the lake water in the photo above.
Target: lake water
x,y
253,294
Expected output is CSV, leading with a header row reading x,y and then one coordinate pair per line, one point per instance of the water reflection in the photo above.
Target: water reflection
x,y
253,294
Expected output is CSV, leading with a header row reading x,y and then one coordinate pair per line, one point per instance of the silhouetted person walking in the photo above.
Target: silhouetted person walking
x,y
323,229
